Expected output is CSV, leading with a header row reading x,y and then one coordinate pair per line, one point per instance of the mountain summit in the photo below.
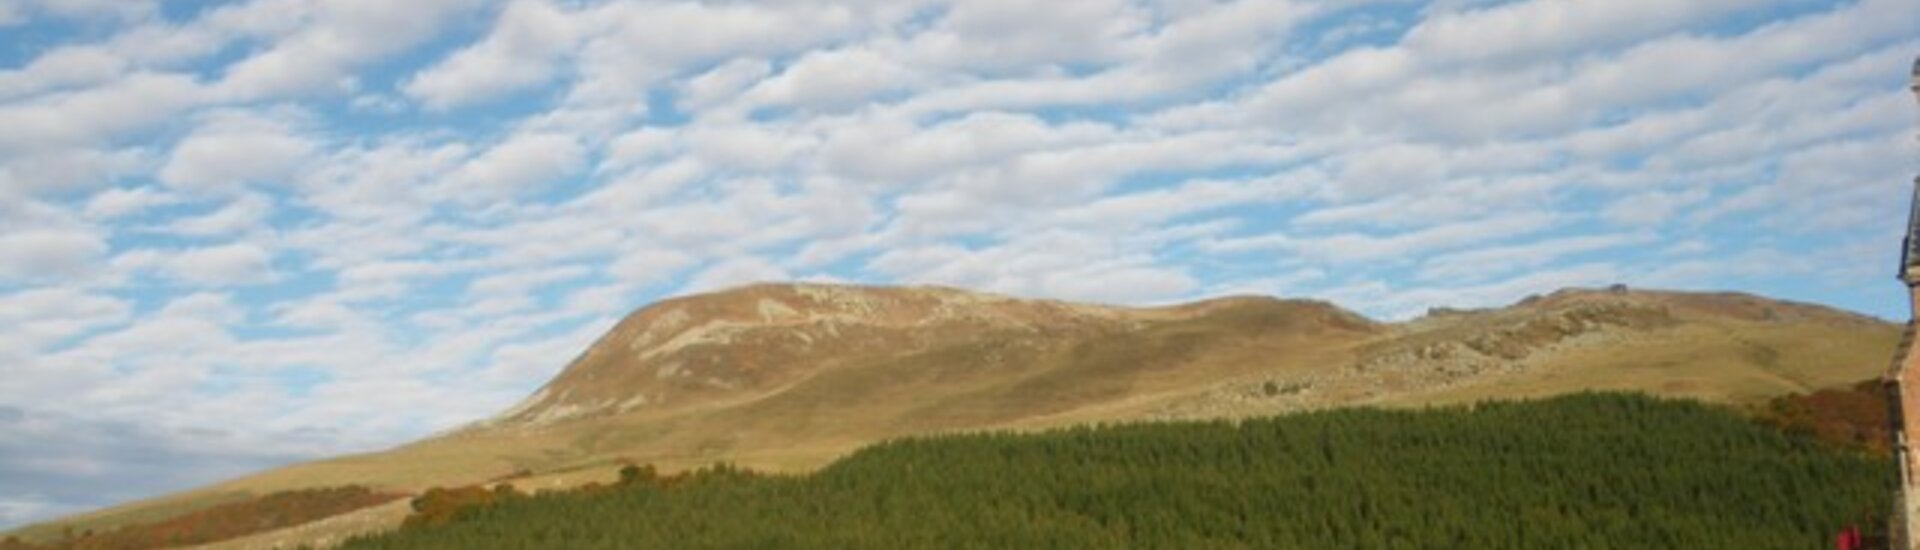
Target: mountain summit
x,y
765,340
791,376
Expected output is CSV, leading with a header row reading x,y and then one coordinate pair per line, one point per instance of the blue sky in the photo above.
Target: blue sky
x,y
234,235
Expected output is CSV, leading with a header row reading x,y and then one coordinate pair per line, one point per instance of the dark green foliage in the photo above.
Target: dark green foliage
x,y
1585,471
631,474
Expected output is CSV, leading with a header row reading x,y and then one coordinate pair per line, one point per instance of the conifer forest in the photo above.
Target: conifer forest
x,y
1581,471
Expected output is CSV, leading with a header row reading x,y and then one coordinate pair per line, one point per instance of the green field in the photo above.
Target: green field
x,y
1590,470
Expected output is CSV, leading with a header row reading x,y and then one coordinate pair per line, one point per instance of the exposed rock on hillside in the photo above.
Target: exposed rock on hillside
x,y
701,350
1545,343
788,377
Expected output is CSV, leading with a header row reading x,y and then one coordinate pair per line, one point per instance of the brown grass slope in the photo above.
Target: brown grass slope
x,y
788,377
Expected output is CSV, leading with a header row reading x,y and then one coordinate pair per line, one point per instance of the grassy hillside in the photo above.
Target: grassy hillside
x,y
789,378
1590,470
219,522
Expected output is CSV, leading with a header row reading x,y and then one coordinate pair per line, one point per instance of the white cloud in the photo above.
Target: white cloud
x,y
1651,207
13,12
638,146
1148,209
35,319
245,213
1391,248
540,359
835,79
64,67
1553,28
523,50
1009,36
25,508
1837,185
229,264
512,291
1685,63
514,166
1221,40
722,83
1498,261
62,171
988,198
231,150
38,255
643,267
46,452
1427,90
1062,264
95,115
742,147
207,306
1391,168
733,272
337,37
118,202
323,312
385,187
681,34
916,153
447,209
1400,303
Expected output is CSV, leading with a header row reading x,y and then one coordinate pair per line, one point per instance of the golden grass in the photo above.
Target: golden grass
x,y
1057,365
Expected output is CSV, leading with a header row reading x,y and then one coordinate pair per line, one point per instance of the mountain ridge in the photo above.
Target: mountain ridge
x,y
660,347
787,377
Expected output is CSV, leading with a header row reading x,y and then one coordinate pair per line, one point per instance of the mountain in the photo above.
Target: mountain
x,y
788,377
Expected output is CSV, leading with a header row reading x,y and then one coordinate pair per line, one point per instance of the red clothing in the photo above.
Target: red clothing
x,y
1848,539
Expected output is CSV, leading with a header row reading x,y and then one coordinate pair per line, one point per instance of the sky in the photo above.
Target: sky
x,y
237,235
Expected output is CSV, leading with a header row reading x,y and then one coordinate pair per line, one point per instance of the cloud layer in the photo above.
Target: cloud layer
x,y
358,222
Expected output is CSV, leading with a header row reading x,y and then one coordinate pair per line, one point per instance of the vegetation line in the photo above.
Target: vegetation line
x,y
220,522
1589,470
